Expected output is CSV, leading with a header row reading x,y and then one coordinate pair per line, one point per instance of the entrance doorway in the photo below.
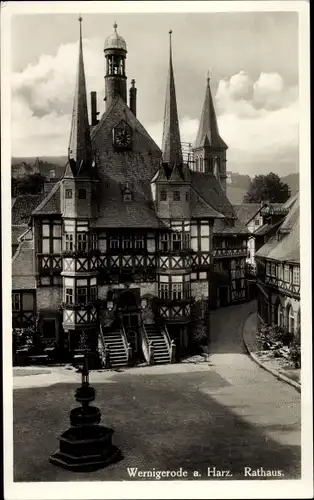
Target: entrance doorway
x,y
223,296
129,318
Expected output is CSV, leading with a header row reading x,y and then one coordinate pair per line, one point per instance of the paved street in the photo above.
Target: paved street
x,y
227,413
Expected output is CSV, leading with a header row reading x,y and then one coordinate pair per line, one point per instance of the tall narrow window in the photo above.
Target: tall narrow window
x,y
69,242
16,302
291,321
114,242
127,242
176,241
286,274
68,193
82,242
94,241
202,165
164,291
81,292
163,195
139,241
296,276
93,293
82,194
176,196
177,291
164,242
69,295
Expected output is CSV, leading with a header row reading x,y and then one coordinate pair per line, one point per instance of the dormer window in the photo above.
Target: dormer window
x,y
82,194
127,195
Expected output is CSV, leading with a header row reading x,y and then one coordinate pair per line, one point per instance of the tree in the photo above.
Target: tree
x,y
30,184
267,188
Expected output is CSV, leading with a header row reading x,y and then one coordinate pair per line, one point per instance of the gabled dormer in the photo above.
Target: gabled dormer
x,y
209,148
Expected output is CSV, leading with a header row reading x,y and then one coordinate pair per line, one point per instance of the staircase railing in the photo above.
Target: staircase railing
x,y
171,345
127,346
103,349
147,346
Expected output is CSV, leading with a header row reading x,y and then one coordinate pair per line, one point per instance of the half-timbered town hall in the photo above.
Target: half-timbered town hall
x,y
127,251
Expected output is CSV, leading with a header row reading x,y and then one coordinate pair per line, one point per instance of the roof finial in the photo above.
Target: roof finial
x,y
115,26
208,78
170,45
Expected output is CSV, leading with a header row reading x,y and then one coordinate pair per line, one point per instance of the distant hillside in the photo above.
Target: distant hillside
x,y
54,160
293,182
235,194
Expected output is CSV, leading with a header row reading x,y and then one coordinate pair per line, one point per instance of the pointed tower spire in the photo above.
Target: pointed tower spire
x,y
171,143
80,148
208,134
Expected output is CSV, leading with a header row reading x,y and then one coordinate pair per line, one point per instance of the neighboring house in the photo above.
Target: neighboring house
x,y
23,169
278,272
46,169
21,210
260,219
131,240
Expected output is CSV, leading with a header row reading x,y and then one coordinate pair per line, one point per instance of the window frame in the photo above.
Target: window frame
x,y
16,298
68,194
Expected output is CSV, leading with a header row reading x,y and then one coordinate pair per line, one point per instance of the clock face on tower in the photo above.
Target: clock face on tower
x,y
122,137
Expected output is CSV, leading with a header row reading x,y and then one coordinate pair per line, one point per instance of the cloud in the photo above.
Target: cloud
x,y
258,118
259,121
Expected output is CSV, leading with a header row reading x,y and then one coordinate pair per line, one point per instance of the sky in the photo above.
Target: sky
x,y
252,60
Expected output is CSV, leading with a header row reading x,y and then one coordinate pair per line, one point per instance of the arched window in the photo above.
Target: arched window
x,y
280,319
299,319
291,322
201,164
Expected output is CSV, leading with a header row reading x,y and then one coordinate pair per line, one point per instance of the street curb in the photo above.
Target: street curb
x,y
276,373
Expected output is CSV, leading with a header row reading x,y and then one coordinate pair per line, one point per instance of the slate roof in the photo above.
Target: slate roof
x,y
16,232
285,245
80,146
201,209
50,205
171,142
118,169
23,206
211,191
246,211
266,228
23,271
208,134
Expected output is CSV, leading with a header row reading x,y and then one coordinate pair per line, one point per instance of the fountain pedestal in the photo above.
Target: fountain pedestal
x,y
86,445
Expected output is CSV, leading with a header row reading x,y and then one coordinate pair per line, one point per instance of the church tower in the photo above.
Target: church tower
x,y
173,180
115,78
78,194
209,148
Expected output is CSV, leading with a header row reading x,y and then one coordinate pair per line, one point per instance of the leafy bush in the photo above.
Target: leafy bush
x,y
274,337
295,349
200,334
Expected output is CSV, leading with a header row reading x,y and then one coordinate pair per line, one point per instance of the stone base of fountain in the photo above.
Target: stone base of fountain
x,y
86,445
86,448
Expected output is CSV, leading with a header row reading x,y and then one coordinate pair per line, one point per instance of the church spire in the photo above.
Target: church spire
x,y
208,134
171,143
80,148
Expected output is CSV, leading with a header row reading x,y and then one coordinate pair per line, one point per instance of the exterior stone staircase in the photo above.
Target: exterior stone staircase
x,y
118,352
159,343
